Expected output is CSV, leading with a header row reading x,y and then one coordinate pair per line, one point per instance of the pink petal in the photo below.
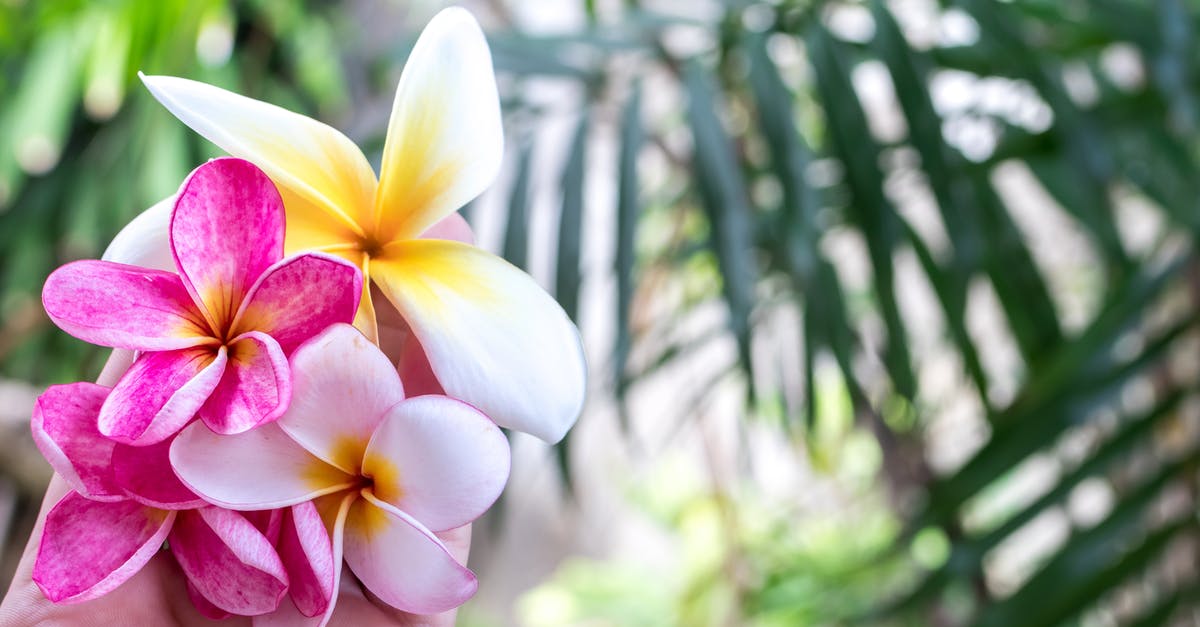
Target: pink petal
x,y
339,373
204,606
307,553
452,227
226,230
145,473
229,562
122,306
415,371
335,510
64,429
160,393
298,297
254,389
439,460
268,521
89,548
260,469
402,562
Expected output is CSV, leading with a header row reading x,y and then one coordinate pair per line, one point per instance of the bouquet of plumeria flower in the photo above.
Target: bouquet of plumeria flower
x,y
321,360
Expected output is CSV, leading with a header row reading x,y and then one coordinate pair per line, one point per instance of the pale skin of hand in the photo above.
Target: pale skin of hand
x,y
157,594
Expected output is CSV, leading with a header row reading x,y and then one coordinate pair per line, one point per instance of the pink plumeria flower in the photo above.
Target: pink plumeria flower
x,y
492,336
214,337
125,501
389,471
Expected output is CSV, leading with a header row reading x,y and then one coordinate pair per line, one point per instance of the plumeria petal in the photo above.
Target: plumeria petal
x,y
122,306
268,521
229,562
334,510
307,553
493,337
415,371
339,374
159,394
452,227
144,473
445,140
308,158
204,606
227,229
299,296
64,429
146,240
88,548
439,460
260,469
254,389
402,562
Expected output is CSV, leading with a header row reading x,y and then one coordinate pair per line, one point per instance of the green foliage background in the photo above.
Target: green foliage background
x,y
764,158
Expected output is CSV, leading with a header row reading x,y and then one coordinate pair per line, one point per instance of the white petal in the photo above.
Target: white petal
x,y
402,562
306,157
445,139
146,240
342,386
259,469
493,337
439,460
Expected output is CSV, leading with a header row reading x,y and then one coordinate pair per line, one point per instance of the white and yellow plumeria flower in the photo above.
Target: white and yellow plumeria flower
x,y
493,337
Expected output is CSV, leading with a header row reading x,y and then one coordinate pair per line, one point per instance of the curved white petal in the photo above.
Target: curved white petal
x,y
259,469
445,139
146,240
493,337
438,460
342,386
401,561
309,158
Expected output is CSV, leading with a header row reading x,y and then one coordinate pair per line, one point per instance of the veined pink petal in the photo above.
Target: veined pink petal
x,y
307,553
89,548
227,229
160,393
339,374
260,469
111,304
493,337
145,473
254,389
64,429
145,241
299,297
229,562
401,561
268,521
334,510
438,460
204,606
444,140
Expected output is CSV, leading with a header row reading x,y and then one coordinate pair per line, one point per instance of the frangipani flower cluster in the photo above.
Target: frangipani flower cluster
x,y
257,433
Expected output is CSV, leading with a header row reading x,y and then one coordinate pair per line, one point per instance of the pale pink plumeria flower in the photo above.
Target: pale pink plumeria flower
x,y
492,336
387,472
215,336
125,501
